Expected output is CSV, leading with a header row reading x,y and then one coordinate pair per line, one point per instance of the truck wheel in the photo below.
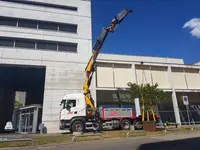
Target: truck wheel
x,y
137,124
125,124
77,126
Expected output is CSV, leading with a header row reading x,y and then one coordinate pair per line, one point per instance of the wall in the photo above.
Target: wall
x,y
185,78
117,73
131,58
114,75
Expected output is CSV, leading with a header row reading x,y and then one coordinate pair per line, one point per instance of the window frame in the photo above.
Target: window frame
x,y
74,104
55,43
38,23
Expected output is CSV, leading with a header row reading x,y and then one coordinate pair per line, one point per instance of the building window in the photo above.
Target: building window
x,y
34,24
38,44
68,28
67,47
46,46
6,42
27,24
48,26
8,22
41,4
25,44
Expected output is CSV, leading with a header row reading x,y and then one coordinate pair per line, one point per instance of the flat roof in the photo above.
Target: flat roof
x,y
132,58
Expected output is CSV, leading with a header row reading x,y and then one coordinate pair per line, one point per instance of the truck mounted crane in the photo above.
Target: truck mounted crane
x,y
90,68
79,112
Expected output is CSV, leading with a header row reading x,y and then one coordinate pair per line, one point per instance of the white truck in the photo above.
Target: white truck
x,y
73,116
79,113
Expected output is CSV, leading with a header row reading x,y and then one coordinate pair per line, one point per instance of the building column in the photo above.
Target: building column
x,y
136,100
137,107
174,98
199,73
134,73
20,122
35,120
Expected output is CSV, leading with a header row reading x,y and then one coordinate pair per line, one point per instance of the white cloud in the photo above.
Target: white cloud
x,y
193,24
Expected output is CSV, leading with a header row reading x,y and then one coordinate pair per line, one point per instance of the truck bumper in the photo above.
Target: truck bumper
x,y
64,125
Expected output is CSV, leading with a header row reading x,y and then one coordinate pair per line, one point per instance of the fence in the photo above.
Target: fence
x,y
85,135
5,139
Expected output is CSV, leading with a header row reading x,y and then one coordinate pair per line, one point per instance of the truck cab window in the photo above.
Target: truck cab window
x,y
70,104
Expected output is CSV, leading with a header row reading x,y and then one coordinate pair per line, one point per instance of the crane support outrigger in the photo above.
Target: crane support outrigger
x,y
90,68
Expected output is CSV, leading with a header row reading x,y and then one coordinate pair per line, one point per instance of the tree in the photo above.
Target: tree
x,y
18,104
149,95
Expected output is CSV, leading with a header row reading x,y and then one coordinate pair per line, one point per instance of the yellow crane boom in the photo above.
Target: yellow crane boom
x,y
90,68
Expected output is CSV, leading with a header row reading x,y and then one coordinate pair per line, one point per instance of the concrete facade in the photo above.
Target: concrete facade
x,y
64,70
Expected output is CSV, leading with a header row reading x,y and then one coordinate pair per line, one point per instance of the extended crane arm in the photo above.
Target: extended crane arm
x,y
90,68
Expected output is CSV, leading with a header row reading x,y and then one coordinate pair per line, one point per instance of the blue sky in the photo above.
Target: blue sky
x,y
155,28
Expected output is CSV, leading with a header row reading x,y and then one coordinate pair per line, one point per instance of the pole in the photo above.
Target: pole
x,y
188,114
142,108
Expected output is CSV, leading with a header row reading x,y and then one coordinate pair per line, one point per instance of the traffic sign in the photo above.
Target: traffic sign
x,y
185,100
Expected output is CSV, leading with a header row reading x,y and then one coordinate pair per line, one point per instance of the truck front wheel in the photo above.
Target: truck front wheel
x,y
78,126
125,124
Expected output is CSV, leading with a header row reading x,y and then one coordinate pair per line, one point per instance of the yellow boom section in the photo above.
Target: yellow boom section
x,y
90,68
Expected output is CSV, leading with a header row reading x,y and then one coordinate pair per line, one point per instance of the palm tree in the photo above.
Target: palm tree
x,y
149,95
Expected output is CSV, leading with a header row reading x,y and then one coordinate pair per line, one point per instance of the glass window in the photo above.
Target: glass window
x,y
27,24
6,42
67,47
70,104
68,28
46,46
41,24
8,21
48,26
25,44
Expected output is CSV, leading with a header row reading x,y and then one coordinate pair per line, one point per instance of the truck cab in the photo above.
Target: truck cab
x,y
73,115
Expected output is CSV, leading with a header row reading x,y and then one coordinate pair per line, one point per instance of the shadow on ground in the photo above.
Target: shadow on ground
x,y
185,144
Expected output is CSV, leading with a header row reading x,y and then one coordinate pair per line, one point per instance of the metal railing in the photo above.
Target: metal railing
x,y
128,133
85,135
177,127
5,139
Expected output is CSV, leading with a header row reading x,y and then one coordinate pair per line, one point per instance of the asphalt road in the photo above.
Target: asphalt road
x,y
183,141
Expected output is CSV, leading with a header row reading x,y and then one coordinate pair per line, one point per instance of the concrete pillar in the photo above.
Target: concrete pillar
x,y
174,98
176,108
199,72
137,107
20,123
134,73
35,120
